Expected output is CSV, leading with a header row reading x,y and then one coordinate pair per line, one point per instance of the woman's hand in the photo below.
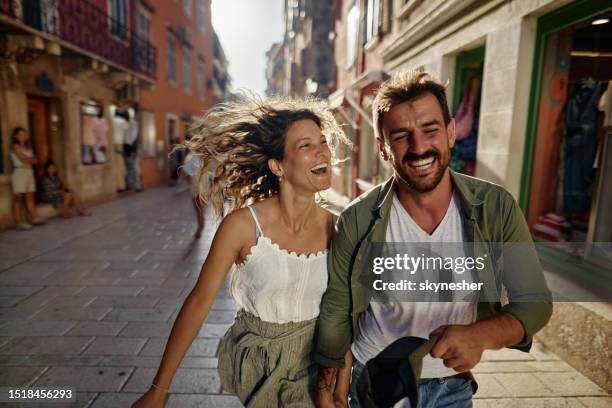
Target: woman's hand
x,y
324,397
323,393
343,382
154,398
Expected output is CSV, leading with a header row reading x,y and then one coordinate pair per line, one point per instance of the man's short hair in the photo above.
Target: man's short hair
x,y
406,86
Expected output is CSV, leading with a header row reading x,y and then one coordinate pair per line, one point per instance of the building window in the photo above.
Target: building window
x,y
201,78
119,18
142,49
171,59
352,31
143,26
187,70
187,6
202,15
371,20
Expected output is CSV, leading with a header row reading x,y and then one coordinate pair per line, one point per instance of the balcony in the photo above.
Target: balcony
x,y
82,25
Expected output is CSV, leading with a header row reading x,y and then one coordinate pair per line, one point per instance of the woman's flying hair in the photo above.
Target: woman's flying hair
x,y
240,136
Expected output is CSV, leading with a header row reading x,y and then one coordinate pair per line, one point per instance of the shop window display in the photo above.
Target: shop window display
x,y
94,134
574,125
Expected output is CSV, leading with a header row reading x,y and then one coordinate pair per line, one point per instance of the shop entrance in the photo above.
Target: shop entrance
x,y
570,182
40,135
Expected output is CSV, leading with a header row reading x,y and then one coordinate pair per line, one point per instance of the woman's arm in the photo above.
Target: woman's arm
x,y
224,251
21,154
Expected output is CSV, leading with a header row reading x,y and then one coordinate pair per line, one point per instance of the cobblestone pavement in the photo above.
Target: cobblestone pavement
x,y
89,302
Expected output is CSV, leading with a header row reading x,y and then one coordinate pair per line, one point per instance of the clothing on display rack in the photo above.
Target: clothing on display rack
x,y
580,145
605,105
466,120
120,126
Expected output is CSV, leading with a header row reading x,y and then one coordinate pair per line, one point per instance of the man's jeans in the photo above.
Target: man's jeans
x,y
433,392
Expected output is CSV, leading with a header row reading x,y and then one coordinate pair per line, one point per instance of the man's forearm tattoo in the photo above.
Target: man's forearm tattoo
x,y
327,375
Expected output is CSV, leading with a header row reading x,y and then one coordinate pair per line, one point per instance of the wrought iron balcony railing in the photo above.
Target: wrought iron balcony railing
x,y
84,25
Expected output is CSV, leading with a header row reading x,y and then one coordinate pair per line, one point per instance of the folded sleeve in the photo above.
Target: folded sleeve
x,y
334,332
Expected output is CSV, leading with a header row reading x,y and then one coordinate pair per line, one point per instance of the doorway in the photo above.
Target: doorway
x,y
40,135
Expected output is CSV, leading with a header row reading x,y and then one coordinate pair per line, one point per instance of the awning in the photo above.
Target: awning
x,y
342,97
368,78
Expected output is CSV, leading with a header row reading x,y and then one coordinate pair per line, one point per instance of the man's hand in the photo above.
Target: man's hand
x,y
460,347
323,394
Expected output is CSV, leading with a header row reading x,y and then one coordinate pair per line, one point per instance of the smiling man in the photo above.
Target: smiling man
x,y
426,202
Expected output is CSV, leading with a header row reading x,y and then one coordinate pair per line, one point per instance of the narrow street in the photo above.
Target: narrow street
x,y
89,302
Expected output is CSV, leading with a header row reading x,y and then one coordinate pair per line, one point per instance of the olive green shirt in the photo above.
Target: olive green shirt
x,y
489,214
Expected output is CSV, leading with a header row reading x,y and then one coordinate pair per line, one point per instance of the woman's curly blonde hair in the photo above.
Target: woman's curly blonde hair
x,y
239,137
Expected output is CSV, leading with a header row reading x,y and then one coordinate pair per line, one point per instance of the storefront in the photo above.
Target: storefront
x,y
566,188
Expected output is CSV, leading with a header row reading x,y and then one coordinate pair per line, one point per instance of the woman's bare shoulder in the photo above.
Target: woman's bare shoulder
x,y
238,219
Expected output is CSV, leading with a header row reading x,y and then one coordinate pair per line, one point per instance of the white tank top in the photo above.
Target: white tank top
x,y
276,285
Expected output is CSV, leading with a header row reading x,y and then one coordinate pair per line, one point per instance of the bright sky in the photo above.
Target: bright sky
x,y
247,29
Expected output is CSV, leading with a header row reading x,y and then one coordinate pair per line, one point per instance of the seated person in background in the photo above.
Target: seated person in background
x,y
55,193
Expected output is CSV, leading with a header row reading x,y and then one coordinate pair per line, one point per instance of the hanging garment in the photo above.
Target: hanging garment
x,y
464,118
466,134
466,148
132,132
88,137
120,127
605,105
580,145
101,129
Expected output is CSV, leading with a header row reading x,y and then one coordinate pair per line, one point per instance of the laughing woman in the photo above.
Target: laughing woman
x,y
273,157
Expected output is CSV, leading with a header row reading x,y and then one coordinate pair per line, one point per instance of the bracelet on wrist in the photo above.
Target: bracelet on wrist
x,y
159,388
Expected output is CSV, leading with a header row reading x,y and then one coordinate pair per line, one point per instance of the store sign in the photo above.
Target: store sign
x,y
44,83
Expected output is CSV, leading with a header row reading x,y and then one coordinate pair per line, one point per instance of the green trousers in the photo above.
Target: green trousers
x,y
268,364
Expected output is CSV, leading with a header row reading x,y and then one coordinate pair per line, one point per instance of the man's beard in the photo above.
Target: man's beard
x,y
429,182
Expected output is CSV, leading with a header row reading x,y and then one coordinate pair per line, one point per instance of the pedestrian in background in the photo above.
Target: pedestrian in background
x,y
54,192
199,183
273,158
130,156
23,182
175,161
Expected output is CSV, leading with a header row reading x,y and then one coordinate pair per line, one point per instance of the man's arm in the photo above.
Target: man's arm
x,y
334,332
529,299
528,310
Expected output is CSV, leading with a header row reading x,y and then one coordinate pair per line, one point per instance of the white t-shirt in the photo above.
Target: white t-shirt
x,y
383,323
